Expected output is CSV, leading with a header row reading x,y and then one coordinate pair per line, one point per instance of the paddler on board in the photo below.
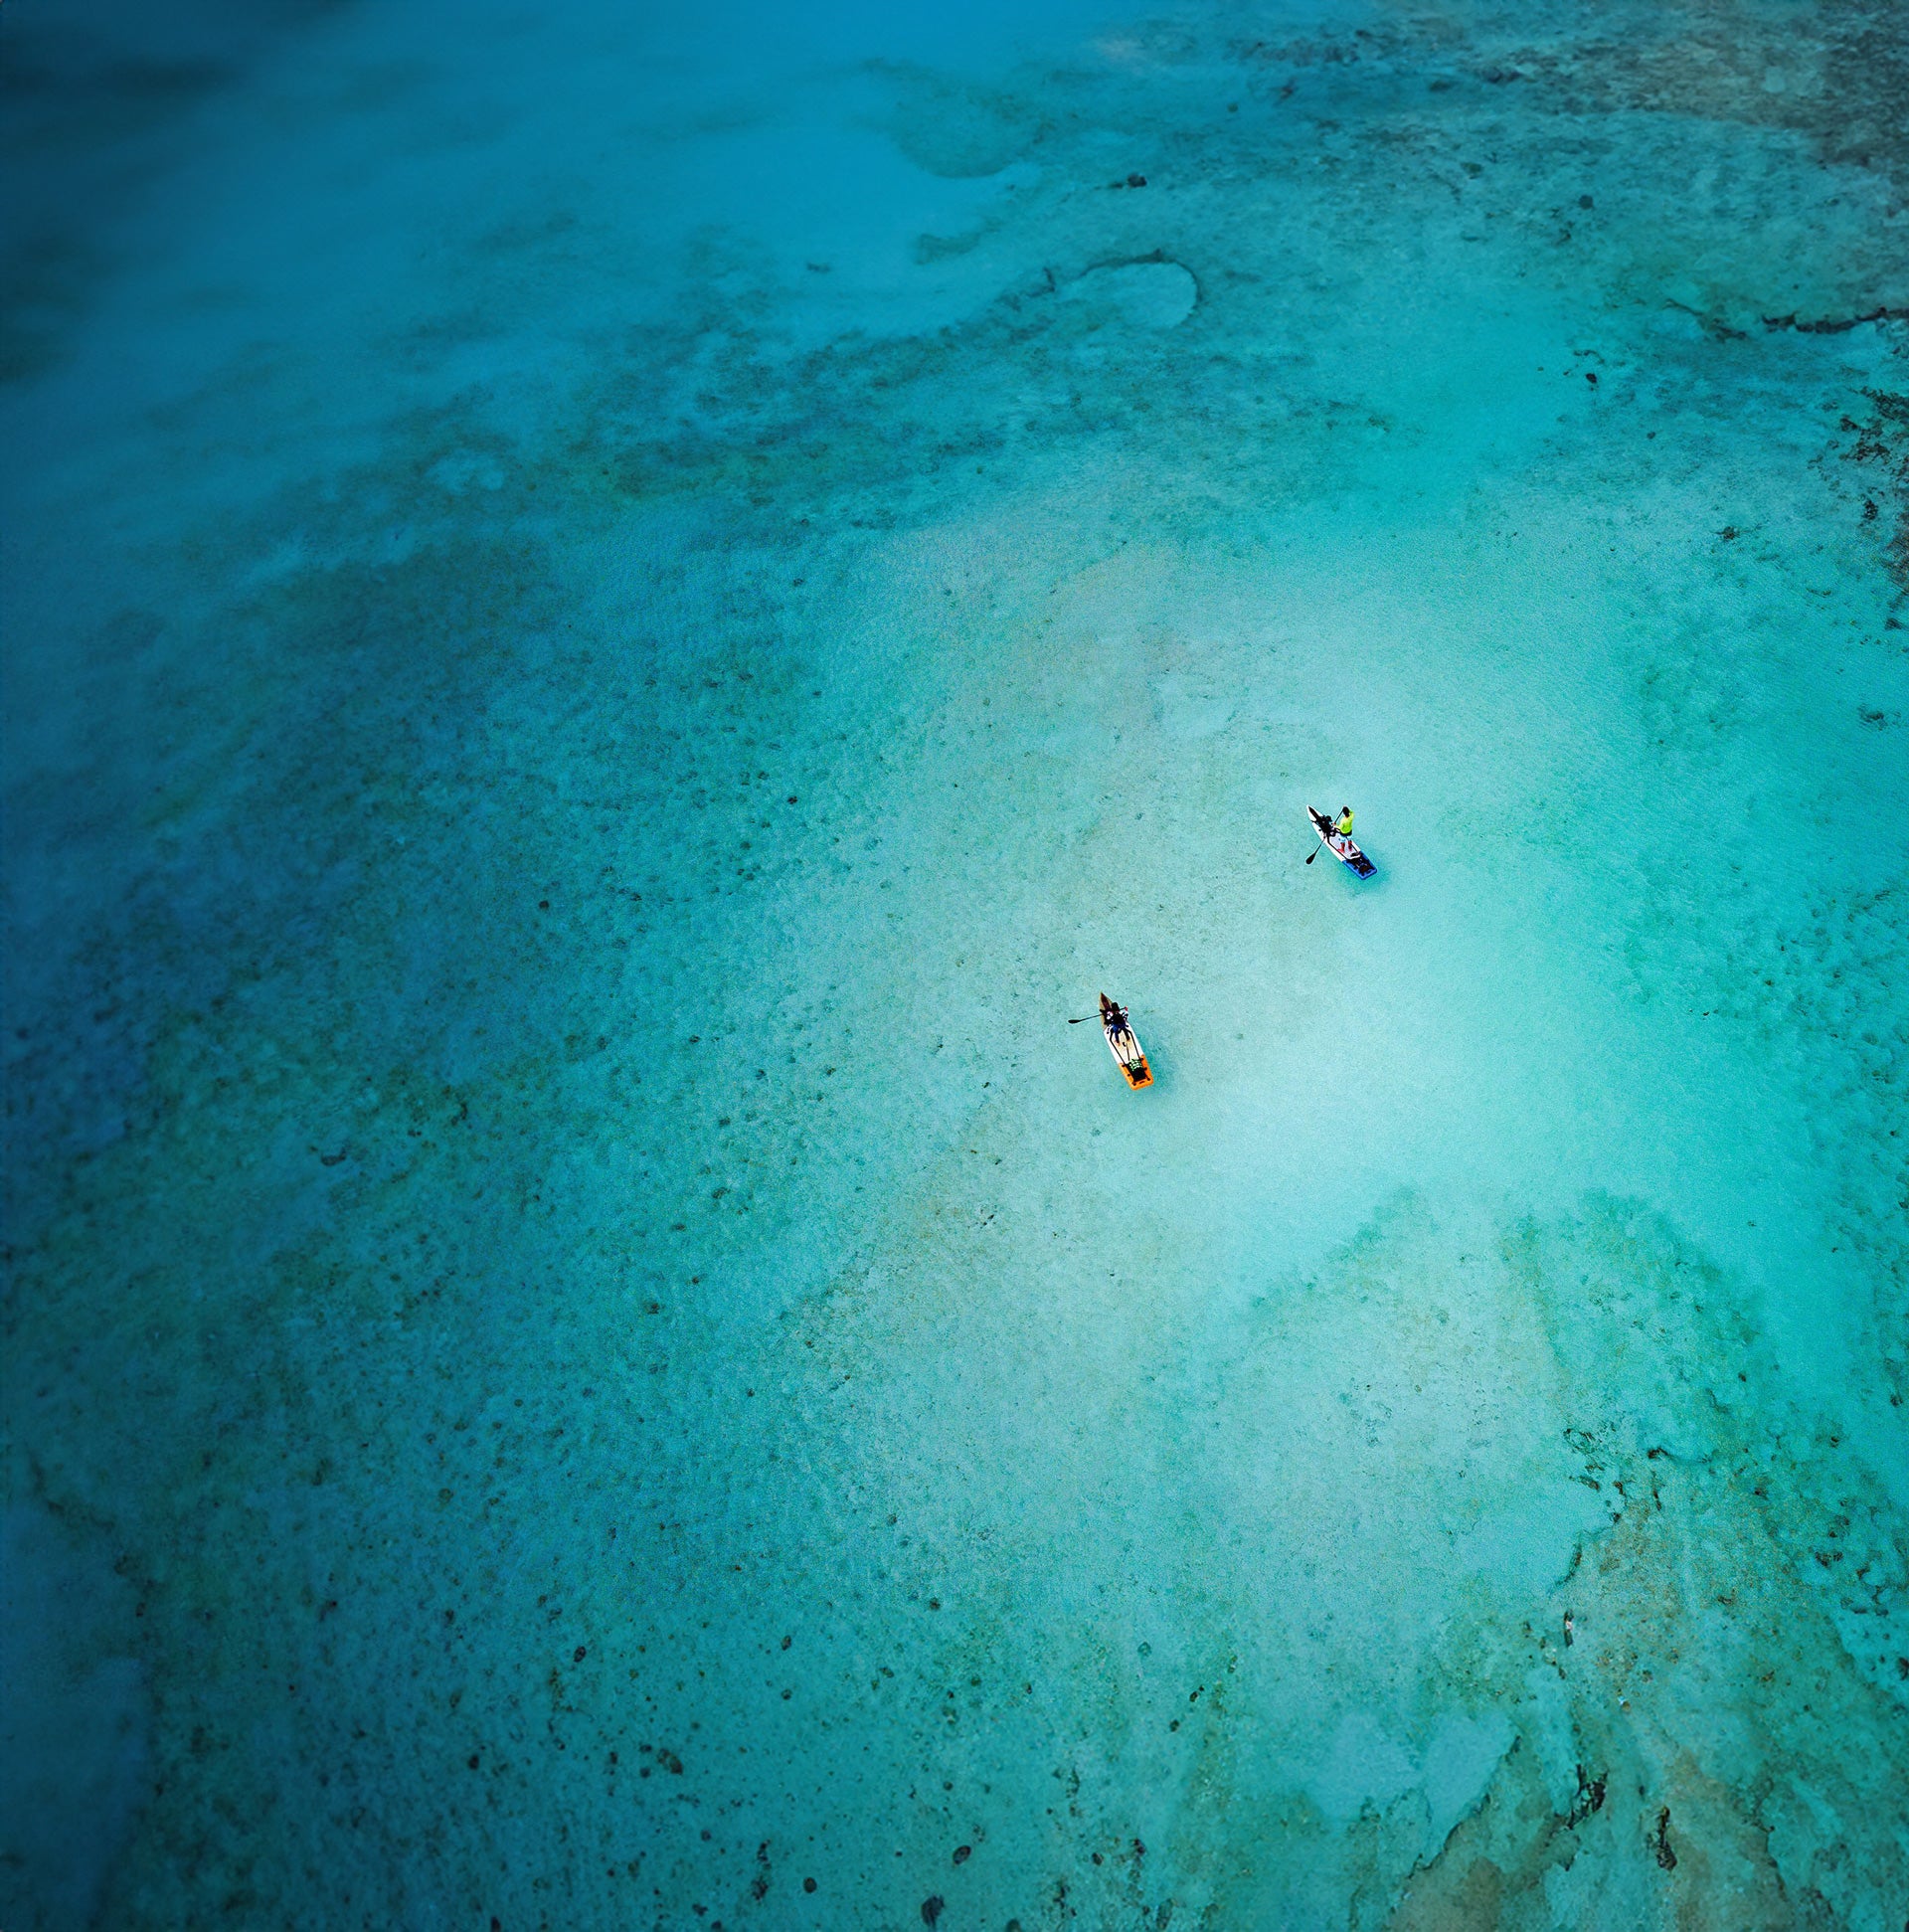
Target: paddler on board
x,y
1120,1036
1113,1018
1336,836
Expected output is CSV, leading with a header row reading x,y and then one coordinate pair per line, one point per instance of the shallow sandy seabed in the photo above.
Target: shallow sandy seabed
x,y
612,625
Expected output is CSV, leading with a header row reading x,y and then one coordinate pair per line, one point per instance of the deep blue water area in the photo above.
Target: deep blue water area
x,y
611,620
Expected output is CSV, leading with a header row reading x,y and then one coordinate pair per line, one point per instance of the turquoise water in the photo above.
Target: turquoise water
x,y
612,621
